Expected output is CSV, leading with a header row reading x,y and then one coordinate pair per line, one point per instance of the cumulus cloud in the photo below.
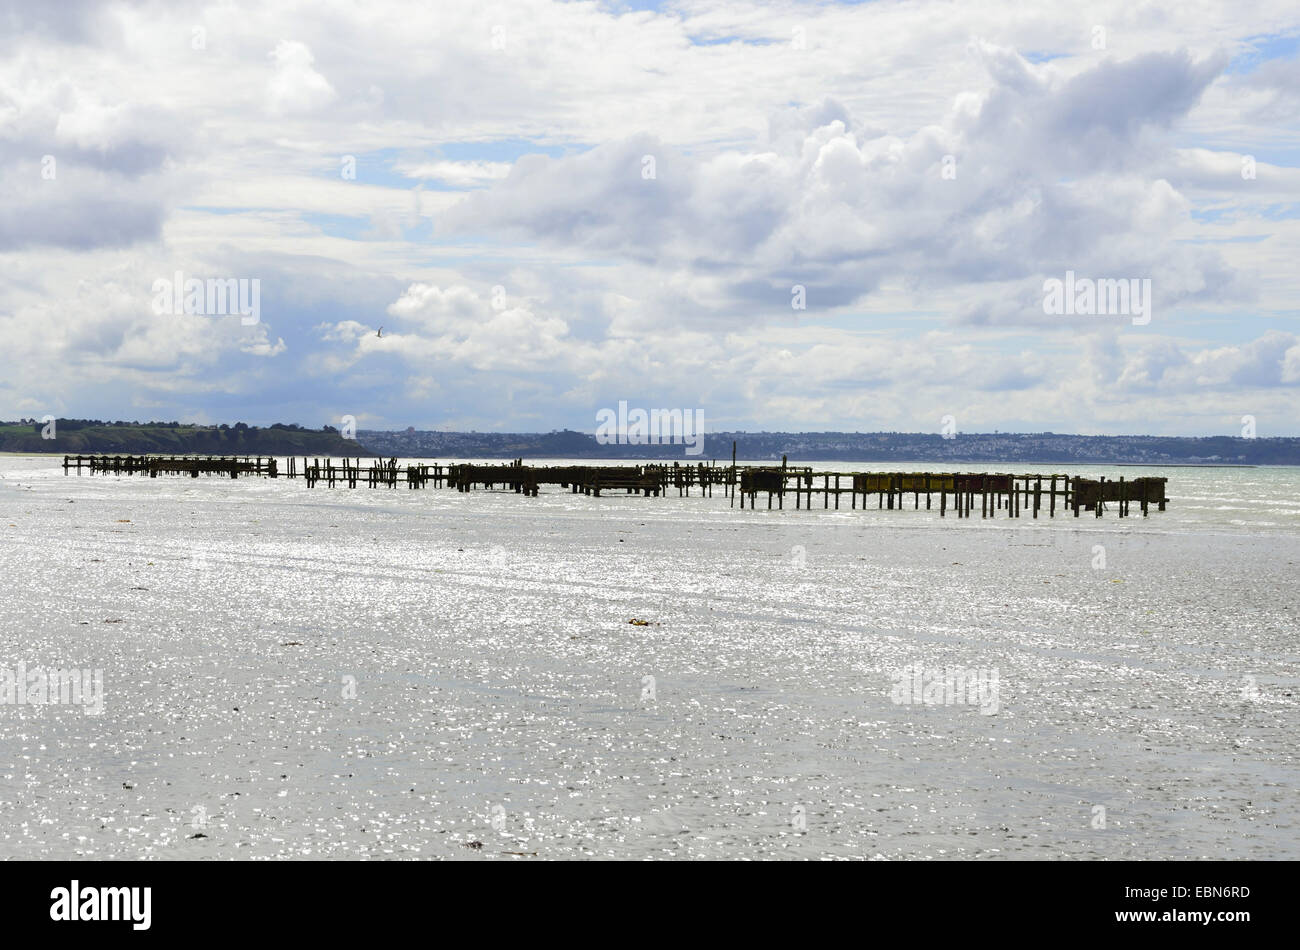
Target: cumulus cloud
x,y
78,170
1044,173
295,86
456,326
653,190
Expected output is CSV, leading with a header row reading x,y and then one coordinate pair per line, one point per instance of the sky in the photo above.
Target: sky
x,y
783,216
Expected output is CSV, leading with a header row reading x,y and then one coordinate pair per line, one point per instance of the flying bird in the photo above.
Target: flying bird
x,y
381,332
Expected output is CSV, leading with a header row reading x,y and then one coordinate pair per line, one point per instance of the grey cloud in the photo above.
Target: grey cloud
x,y
1101,119
50,214
1279,81
61,21
840,214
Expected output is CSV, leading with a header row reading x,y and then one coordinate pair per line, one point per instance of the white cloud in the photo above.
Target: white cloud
x,y
295,86
774,165
461,174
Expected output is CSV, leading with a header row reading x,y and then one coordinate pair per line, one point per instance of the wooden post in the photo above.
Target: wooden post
x,y
731,477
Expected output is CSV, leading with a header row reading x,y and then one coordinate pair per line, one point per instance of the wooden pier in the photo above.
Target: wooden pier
x,y
991,492
961,493
231,466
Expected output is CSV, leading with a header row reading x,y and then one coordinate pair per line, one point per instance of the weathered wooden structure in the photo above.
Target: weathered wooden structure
x,y
960,492
154,465
992,492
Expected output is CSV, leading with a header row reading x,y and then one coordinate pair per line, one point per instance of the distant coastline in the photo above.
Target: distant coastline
x,y
80,436
1045,448
88,437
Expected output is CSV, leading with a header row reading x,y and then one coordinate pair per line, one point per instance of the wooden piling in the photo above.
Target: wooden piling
x,y
649,479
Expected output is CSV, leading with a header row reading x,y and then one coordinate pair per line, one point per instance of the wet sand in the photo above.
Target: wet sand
x,y
325,673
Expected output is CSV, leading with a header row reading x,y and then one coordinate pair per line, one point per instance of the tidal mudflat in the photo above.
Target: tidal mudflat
x,y
386,674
